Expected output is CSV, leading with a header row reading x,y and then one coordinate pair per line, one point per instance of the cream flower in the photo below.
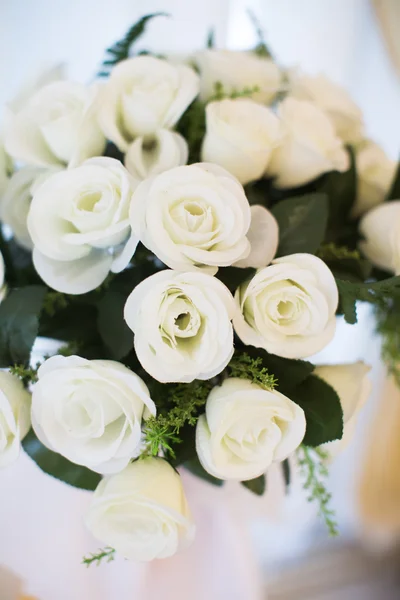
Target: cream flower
x,y
289,307
237,71
245,428
263,236
142,512
85,234
90,411
182,325
55,125
151,155
380,228
240,136
353,387
16,202
375,173
143,95
309,145
192,217
15,421
344,113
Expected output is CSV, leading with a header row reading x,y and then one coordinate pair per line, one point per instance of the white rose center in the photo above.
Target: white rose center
x,y
179,319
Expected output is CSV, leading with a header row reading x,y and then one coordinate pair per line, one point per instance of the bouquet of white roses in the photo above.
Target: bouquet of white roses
x,y
188,231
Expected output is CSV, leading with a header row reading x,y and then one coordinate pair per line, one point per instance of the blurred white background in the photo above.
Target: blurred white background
x,y
338,37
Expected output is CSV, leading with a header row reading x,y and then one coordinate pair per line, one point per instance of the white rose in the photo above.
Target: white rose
x,y
151,155
56,125
14,207
380,228
353,387
309,145
240,136
193,217
84,234
245,428
237,71
90,411
15,421
263,236
335,101
143,95
182,325
375,173
142,512
289,307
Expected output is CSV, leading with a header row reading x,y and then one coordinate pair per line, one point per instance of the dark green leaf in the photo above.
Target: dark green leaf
x,y
114,332
59,467
289,372
324,414
19,323
286,472
120,50
302,223
341,189
376,292
394,193
211,38
257,485
193,465
233,277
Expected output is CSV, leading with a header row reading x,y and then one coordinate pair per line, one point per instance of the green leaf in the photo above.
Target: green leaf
x,y
345,263
394,193
193,465
286,472
289,372
233,277
341,189
323,410
211,38
375,292
19,324
59,467
257,485
115,333
120,50
302,223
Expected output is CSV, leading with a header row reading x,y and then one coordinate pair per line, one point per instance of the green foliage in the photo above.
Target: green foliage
x,y
107,554
193,465
19,324
59,467
233,277
179,407
261,48
288,373
286,472
257,485
211,38
302,223
54,301
345,263
248,367
115,333
388,326
314,470
341,190
323,411
375,292
27,375
120,50
394,193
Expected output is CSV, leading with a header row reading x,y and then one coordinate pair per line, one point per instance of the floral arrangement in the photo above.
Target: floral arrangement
x,y
188,231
